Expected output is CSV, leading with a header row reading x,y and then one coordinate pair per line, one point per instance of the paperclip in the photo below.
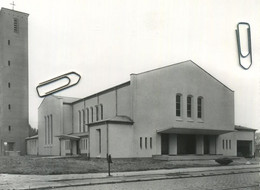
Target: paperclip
x,y
239,45
64,76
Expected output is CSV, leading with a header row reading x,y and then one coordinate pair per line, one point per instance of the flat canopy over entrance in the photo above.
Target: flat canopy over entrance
x,y
68,137
197,131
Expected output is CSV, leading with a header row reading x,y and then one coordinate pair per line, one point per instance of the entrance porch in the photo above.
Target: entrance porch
x,y
186,141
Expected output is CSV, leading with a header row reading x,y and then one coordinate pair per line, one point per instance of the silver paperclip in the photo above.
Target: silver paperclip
x,y
64,76
239,45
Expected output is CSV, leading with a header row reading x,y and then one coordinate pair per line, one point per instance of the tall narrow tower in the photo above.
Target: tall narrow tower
x,y
14,124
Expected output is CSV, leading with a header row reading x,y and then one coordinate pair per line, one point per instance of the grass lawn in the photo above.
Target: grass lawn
x,y
70,165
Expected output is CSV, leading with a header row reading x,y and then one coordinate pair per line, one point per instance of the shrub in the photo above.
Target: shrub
x,y
224,161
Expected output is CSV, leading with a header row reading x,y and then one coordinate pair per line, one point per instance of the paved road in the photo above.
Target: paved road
x,y
245,181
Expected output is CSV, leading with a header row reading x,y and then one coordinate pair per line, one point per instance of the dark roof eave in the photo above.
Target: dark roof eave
x,y
110,122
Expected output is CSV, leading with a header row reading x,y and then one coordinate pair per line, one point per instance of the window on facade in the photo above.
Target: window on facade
x,y
199,104
9,128
9,106
46,130
226,144
9,42
178,105
223,144
9,62
51,129
141,143
145,142
229,144
97,113
151,143
84,120
16,25
91,113
87,115
67,145
101,111
9,85
79,121
189,106
99,140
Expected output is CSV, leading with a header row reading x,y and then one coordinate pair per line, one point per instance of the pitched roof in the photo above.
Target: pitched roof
x,y
242,128
183,62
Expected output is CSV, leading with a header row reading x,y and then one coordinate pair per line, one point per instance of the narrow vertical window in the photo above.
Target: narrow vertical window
x,y
99,140
51,129
9,42
91,113
223,144
9,106
79,121
9,128
45,121
101,111
84,120
87,116
9,63
226,144
145,142
141,143
97,113
178,105
229,144
16,25
189,106
9,85
151,143
199,108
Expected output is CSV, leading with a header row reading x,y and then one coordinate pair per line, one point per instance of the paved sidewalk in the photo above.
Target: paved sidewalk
x,y
10,181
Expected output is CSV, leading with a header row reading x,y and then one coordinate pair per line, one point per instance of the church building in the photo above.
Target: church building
x,y
179,109
14,112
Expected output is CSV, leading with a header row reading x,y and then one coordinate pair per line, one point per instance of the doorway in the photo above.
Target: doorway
x,y
186,144
165,143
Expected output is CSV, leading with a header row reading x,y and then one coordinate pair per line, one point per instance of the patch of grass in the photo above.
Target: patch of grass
x,y
72,165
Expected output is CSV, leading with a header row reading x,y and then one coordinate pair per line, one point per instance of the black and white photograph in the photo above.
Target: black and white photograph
x,y
130,94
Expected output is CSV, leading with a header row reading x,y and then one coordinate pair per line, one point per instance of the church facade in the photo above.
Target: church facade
x,y
14,112
174,110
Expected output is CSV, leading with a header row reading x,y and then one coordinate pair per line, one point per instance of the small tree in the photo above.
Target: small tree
x,y
32,131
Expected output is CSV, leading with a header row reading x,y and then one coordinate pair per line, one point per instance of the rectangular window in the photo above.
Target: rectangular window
x,y
79,121
96,113
91,110
145,141
9,128
9,106
9,42
9,85
178,105
141,143
51,130
87,116
151,143
199,104
189,106
101,111
226,144
9,62
16,25
99,140
229,144
46,131
223,144
84,120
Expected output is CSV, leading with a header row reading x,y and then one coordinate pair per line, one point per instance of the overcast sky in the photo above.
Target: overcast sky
x,y
107,40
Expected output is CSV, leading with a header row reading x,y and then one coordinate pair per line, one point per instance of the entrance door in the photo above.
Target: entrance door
x,y
186,144
165,143
206,144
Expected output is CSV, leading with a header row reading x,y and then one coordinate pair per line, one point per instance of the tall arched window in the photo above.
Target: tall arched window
x,y
178,105
91,113
101,111
199,107
189,106
79,121
87,115
97,113
84,120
